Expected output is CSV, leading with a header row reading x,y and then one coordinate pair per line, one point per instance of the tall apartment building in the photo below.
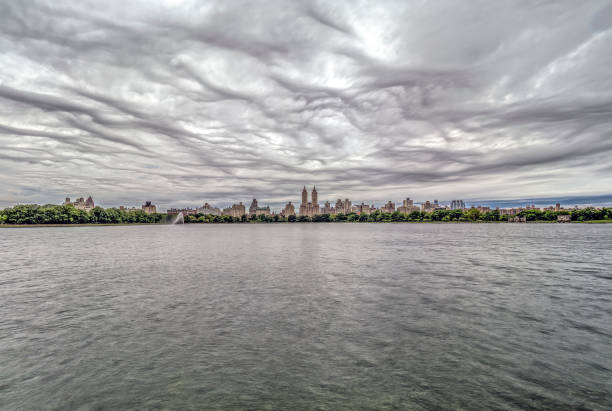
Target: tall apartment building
x,y
236,210
288,210
427,206
253,207
149,208
407,206
457,205
309,208
328,209
343,207
388,208
255,210
363,208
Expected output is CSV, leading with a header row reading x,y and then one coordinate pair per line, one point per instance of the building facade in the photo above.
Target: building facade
x,y
363,209
343,207
149,208
457,205
236,210
208,209
407,206
328,209
262,211
288,210
81,203
255,210
253,207
388,208
427,206
307,208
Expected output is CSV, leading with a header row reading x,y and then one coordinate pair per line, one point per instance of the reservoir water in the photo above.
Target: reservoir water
x,y
306,316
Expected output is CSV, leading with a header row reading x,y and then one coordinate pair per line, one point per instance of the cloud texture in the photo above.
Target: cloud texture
x,y
182,102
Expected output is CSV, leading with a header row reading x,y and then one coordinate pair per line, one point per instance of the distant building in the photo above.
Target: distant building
x,y
407,206
343,207
89,204
427,206
262,211
129,209
255,210
253,207
149,208
457,205
208,209
328,209
388,208
185,211
236,210
81,204
288,210
363,209
509,211
309,209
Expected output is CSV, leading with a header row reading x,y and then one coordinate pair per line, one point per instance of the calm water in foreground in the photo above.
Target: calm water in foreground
x,y
302,316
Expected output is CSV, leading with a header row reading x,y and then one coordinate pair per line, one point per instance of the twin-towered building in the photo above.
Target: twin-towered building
x,y
307,208
311,208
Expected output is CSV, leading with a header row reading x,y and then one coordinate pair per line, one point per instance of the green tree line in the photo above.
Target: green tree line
x,y
586,214
67,214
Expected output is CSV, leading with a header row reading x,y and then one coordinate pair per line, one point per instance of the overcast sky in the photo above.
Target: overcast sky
x,y
181,102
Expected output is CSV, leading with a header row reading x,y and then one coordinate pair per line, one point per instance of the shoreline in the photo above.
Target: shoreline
x,y
75,225
309,222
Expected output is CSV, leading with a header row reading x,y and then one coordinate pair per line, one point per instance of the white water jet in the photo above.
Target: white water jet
x,y
179,219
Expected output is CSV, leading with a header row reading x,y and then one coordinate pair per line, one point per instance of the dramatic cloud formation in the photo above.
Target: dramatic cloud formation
x,y
185,102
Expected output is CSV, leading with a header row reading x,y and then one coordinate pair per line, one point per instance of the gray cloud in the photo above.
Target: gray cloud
x,y
185,102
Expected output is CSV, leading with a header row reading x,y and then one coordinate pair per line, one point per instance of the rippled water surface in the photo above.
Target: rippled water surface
x,y
302,316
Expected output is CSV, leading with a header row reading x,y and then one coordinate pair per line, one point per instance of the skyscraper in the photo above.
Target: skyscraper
x,y
253,207
457,205
309,209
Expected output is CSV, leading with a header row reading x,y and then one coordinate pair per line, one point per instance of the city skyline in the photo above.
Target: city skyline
x,y
193,101
245,205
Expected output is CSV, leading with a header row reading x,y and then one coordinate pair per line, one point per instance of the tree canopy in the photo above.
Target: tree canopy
x,y
68,214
